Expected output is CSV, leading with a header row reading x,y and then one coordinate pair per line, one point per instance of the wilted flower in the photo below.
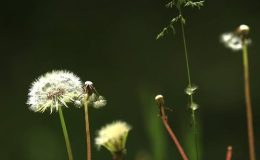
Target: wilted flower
x,y
94,98
234,40
54,89
113,136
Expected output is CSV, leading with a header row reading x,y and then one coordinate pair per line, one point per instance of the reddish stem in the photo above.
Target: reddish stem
x,y
170,131
229,153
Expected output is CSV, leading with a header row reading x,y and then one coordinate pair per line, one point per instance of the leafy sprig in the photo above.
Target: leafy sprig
x,y
178,4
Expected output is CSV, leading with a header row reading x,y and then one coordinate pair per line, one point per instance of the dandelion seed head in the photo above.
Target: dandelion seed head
x,y
54,89
232,41
113,136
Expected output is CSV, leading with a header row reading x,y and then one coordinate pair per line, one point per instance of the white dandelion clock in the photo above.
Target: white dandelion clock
x,y
113,136
234,40
53,90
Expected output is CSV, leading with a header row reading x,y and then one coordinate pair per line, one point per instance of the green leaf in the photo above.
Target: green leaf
x,y
192,4
170,4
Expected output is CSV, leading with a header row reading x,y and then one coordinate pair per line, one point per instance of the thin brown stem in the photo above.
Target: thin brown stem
x,y
249,114
169,130
88,142
229,153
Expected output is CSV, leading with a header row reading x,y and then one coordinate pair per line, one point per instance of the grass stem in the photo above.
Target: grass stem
x,y
190,85
65,132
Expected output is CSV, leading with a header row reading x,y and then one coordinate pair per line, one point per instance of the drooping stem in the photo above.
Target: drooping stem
x,y
249,113
88,142
229,153
168,128
65,132
189,85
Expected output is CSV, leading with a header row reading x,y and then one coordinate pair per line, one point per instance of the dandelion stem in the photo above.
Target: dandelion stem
x,y
170,131
249,113
118,156
229,153
65,132
189,81
88,142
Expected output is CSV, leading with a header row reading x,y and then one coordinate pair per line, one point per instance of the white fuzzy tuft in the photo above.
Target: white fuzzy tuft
x,y
54,89
231,41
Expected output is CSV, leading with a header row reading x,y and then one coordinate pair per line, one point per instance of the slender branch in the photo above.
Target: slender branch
x,y
229,153
65,133
164,118
249,113
88,142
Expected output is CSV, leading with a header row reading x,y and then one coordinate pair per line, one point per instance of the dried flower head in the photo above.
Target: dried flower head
x,y
54,89
234,40
94,98
113,136
159,99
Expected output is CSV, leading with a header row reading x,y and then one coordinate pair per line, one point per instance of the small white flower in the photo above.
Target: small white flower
x,y
191,89
194,106
54,89
113,136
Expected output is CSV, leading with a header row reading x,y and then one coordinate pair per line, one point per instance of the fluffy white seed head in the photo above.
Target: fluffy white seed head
x,y
113,136
54,89
232,41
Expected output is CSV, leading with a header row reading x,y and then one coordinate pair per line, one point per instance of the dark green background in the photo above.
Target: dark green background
x,y
112,43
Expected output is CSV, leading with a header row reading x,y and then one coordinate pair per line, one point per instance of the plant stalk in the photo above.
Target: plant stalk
x,y
249,113
171,133
88,142
189,81
65,133
118,156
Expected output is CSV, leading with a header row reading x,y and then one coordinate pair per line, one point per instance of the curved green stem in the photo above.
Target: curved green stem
x,y
249,113
65,132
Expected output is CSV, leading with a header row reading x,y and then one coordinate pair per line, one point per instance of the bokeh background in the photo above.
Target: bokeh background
x,y
112,43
